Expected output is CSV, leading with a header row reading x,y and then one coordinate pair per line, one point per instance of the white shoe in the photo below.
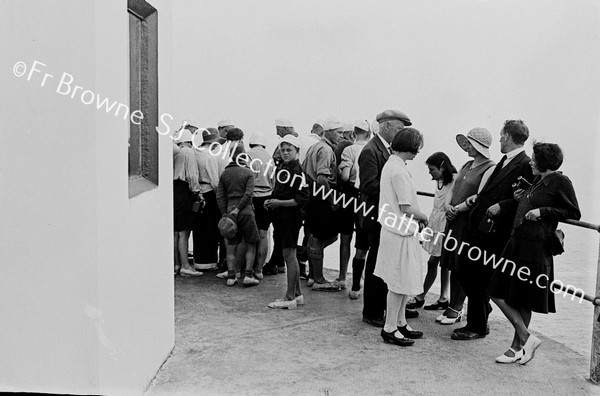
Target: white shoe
x,y
353,294
529,348
205,267
310,282
231,282
222,275
190,272
510,359
300,300
440,318
250,281
451,321
284,304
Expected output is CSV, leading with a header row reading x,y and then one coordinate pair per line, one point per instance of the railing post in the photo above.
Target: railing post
x,y
595,358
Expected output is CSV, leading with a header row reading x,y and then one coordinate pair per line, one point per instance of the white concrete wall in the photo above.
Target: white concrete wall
x,y
86,293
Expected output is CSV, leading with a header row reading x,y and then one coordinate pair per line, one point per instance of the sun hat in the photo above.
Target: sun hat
x,y
227,226
479,137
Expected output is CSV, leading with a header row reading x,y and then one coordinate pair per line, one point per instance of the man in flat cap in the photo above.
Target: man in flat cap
x,y
370,162
320,168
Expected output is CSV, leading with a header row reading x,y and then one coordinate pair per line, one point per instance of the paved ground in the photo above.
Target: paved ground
x,y
229,342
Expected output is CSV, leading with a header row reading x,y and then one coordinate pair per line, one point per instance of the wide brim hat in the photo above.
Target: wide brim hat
x,y
480,138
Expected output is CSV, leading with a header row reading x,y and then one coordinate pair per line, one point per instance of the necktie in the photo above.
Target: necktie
x,y
498,168
390,150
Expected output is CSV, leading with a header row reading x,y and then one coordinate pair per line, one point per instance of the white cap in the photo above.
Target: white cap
x,y
186,136
291,139
348,127
257,139
284,122
224,123
332,123
362,124
191,123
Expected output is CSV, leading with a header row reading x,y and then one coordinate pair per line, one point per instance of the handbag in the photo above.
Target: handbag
x,y
557,242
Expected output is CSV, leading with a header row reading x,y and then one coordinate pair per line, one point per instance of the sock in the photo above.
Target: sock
x,y
357,270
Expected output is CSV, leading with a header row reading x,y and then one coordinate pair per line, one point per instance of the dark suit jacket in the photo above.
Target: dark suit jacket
x,y
370,162
499,190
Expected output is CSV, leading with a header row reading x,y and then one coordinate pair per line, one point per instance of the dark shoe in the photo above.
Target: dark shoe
x,y
374,322
415,304
436,306
270,271
414,334
411,314
391,337
466,336
462,329
281,270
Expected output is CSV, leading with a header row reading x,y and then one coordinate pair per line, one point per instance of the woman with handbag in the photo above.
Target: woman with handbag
x,y
527,288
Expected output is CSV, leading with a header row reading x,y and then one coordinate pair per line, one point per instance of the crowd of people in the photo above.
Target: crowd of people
x,y
227,198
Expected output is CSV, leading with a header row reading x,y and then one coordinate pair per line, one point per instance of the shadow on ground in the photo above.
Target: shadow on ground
x,y
229,343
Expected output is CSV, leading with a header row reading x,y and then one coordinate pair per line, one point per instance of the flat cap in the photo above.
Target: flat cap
x,y
393,115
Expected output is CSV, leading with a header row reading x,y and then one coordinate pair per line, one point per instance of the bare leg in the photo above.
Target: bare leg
x,y
231,250
240,255
432,265
176,250
182,245
263,248
514,317
293,273
445,281
250,254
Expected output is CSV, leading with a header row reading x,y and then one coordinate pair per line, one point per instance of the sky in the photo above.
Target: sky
x,y
449,65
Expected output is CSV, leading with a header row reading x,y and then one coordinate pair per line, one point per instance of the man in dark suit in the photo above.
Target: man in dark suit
x,y
370,163
490,224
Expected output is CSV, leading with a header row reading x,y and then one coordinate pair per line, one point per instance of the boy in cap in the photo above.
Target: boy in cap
x,y
234,197
289,195
321,170
259,164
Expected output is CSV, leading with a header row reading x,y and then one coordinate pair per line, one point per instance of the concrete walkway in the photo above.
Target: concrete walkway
x,y
229,343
